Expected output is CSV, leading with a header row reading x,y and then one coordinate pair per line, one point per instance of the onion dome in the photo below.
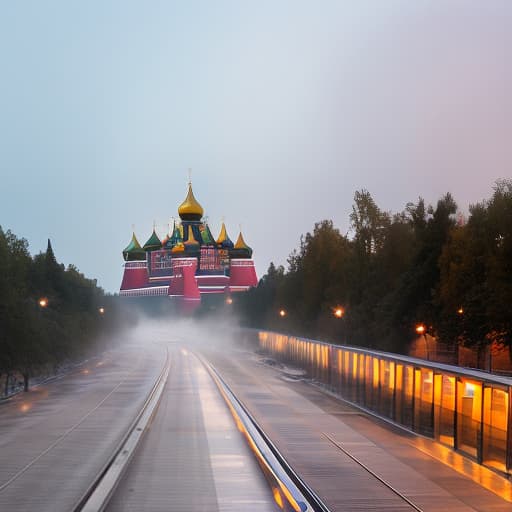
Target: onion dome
x,y
190,209
207,236
173,239
133,251
153,243
191,245
241,249
223,242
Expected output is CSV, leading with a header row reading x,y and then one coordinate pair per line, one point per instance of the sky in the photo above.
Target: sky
x,y
282,109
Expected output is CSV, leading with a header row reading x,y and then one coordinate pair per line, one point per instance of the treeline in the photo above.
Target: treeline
x,y
425,265
48,314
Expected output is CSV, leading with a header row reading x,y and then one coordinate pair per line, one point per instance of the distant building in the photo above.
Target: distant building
x,y
188,262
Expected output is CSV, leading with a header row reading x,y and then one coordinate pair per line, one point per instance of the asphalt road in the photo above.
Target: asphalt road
x,y
192,458
55,438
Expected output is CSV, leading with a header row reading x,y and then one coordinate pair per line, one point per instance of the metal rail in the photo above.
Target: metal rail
x,y
101,490
375,475
289,490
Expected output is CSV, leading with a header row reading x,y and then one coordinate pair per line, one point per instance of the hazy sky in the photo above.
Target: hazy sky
x,y
281,108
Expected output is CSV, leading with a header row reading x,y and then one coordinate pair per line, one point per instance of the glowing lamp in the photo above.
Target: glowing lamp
x,y
43,302
282,313
421,329
460,311
101,311
338,312
229,300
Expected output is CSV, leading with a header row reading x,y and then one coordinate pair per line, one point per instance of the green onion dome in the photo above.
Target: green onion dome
x,y
153,243
133,251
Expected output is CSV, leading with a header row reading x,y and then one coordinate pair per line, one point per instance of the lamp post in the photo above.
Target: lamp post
x,y
421,329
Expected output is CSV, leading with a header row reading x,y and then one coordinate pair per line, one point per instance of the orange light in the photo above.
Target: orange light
x,y
460,311
277,497
101,311
229,300
43,302
282,313
420,329
25,407
338,312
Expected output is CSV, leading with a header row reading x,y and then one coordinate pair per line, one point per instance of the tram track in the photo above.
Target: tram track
x,y
373,473
289,490
286,488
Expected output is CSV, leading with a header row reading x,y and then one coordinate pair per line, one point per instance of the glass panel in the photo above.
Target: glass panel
x,y
407,396
361,379
445,408
495,428
398,392
387,385
368,382
426,411
469,414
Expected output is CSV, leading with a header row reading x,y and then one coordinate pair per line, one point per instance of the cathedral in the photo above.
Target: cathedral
x,y
189,261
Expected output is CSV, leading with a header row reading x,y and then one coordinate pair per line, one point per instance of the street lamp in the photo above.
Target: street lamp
x,y
460,311
282,313
229,301
101,310
421,329
43,302
338,312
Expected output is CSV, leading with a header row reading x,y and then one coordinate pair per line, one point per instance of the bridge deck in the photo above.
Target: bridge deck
x,y
192,458
301,419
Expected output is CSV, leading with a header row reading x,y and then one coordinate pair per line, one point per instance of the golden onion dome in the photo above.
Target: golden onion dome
x,y
223,241
241,249
190,209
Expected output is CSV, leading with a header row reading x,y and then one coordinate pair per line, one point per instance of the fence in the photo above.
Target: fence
x,y
467,410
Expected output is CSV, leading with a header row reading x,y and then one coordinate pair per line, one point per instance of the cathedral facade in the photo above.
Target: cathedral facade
x,y
189,261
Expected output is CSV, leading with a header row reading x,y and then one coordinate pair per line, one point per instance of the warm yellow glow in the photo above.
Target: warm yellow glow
x,y
277,497
25,407
43,302
282,313
460,311
338,312
229,300
420,329
101,310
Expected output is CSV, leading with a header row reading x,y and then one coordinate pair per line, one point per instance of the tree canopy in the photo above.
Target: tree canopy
x,y
424,264
48,313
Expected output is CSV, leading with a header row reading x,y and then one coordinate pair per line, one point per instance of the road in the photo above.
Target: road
x,y
192,458
55,438
309,427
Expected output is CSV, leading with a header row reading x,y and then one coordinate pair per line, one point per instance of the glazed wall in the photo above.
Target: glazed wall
x,y
468,411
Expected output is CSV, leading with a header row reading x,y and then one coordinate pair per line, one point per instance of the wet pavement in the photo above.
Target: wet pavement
x,y
192,458
55,438
322,438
